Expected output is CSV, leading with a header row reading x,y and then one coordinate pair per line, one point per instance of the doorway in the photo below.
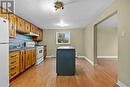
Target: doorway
x,y
106,45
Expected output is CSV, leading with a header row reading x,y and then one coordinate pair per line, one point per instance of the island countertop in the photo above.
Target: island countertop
x,y
65,47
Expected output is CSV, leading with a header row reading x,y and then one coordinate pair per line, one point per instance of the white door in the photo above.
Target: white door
x,y
4,65
4,31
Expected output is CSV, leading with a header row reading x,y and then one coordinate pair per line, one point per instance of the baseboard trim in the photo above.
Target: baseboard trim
x,y
115,57
50,56
90,61
121,84
55,56
80,56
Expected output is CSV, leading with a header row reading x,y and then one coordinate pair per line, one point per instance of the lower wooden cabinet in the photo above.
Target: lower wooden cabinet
x,y
45,52
33,57
22,60
27,59
13,64
19,61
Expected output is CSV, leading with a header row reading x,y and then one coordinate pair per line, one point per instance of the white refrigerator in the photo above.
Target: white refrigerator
x,y
4,53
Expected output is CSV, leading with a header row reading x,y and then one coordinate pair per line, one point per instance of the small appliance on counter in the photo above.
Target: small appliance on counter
x,y
30,44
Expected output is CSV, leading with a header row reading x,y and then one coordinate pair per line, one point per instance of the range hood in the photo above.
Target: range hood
x,y
32,34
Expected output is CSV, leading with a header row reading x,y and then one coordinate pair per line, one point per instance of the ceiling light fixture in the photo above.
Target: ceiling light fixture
x,y
62,24
58,5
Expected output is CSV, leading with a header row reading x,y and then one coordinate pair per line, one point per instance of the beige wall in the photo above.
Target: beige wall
x,y
107,42
76,40
123,8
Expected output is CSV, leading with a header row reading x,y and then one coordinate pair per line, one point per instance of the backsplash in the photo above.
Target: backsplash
x,y
19,41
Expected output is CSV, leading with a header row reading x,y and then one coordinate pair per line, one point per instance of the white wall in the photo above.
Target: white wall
x,y
123,9
107,42
76,40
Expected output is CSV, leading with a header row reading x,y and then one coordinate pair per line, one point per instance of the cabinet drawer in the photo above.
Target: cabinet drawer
x,y
14,55
13,61
14,71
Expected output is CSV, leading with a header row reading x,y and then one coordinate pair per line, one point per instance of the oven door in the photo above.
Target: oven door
x,y
40,52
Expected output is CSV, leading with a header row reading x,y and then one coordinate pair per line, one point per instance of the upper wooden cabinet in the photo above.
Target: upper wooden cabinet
x,y
33,29
20,25
40,37
3,15
27,27
12,25
17,24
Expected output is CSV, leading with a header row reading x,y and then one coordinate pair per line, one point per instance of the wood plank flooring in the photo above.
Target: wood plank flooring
x,y
44,75
110,66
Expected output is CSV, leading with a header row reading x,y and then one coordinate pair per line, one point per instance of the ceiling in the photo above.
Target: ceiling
x,y
76,13
111,22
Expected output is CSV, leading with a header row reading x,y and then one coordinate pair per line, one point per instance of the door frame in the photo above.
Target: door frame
x,y
95,34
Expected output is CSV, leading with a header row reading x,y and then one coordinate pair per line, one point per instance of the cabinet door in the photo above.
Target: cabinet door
x,y
13,64
20,25
12,25
27,27
22,61
40,37
33,28
3,15
45,52
33,56
30,58
26,63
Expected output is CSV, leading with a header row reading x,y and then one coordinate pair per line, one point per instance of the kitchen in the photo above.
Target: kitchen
x,y
53,43
21,37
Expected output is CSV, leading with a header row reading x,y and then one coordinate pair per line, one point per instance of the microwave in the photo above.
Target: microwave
x,y
30,44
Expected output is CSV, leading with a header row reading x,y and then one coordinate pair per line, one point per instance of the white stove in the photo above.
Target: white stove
x,y
39,54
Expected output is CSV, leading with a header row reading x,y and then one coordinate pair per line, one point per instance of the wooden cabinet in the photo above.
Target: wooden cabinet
x,y
12,25
3,15
40,37
19,61
33,57
45,52
20,25
27,27
13,64
22,60
17,24
30,58
33,28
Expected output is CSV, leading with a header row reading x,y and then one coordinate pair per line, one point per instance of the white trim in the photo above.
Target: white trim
x,y
107,57
90,61
55,56
121,84
80,56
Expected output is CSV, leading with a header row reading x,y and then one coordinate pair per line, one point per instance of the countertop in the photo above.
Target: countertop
x,y
18,49
65,47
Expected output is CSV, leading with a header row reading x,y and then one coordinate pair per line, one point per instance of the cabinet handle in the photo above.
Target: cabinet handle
x,y
13,74
14,56
13,62
13,68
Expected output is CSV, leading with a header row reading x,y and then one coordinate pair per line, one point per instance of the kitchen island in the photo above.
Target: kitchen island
x,y
65,61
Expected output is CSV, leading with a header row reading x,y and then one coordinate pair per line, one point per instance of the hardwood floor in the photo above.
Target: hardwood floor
x,y
44,75
110,66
